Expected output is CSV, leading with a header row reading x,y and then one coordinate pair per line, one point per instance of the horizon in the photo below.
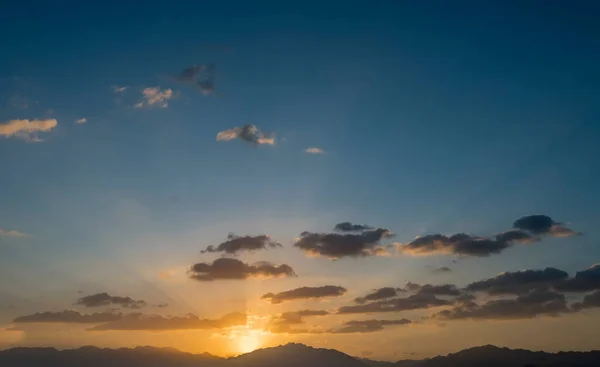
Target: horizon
x,y
400,179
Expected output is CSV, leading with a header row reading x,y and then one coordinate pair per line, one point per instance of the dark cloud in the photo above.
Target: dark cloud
x,y
434,290
349,227
203,76
378,294
518,282
68,316
235,244
247,133
367,326
540,224
104,299
535,303
335,245
517,236
591,300
412,302
584,281
458,244
283,323
226,268
138,321
443,269
305,293
162,305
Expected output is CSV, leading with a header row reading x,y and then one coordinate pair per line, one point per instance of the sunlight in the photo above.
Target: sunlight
x,y
247,343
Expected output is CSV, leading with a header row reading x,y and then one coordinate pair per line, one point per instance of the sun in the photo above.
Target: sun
x,y
248,342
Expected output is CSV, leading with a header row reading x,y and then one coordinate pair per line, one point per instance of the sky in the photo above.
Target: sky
x,y
390,179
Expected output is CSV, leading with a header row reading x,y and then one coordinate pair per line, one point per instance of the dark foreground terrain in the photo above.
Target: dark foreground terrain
x,y
290,355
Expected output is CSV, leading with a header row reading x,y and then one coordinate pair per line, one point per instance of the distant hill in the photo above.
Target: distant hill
x,y
290,355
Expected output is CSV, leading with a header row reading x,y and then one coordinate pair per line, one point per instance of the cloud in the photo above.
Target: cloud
x,y
368,326
412,302
82,120
591,300
226,268
119,89
518,282
540,224
162,305
305,293
517,236
349,227
336,245
434,290
535,303
378,294
68,316
459,244
104,299
202,76
235,244
584,281
314,150
12,233
139,321
27,129
154,96
247,133
443,269
283,323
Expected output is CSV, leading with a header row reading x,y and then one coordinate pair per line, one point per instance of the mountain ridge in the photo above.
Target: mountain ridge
x,y
290,355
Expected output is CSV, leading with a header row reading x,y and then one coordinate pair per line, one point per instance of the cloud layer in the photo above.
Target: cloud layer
x,y
305,293
228,269
236,244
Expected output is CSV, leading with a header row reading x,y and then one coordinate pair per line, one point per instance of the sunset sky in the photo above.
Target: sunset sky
x,y
224,176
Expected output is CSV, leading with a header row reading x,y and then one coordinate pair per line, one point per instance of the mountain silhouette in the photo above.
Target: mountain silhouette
x,y
289,355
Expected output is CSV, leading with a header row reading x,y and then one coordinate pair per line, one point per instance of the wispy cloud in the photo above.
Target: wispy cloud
x,y
27,129
12,233
154,96
247,133
82,120
314,150
119,89
202,76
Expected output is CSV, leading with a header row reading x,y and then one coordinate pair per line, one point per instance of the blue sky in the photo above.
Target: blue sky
x,y
435,117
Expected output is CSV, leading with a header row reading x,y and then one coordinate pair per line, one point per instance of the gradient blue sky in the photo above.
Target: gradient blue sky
x,y
435,116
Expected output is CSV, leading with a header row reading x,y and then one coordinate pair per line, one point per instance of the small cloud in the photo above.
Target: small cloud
x,y
305,293
349,227
247,133
378,294
119,89
82,120
412,302
154,96
104,299
68,316
12,233
368,326
27,129
443,269
314,150
202,76
540,224
338,245
162,305
518,282
226,268
235,244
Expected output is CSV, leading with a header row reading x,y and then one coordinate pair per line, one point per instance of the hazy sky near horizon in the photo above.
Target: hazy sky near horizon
x,y
133,137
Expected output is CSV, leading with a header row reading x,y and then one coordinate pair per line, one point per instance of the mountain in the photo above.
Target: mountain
x,y
290,355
